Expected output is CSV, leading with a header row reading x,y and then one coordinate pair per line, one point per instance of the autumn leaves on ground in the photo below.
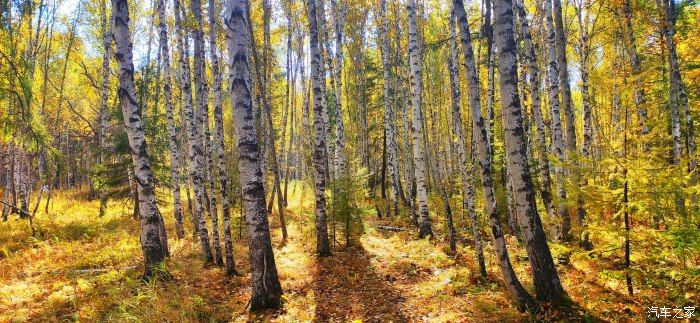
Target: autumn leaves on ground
x,y
81,267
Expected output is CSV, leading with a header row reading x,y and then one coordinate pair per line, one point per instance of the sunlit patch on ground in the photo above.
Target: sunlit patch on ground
x,y
81,267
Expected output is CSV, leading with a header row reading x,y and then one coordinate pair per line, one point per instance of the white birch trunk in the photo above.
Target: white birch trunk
x,y
536,107
485,169
319,156
545,277
556,128
153,239
172,132
267,291
195,150
415,65
563,71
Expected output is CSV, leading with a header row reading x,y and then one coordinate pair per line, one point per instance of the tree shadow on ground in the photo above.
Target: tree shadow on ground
x,y
347,287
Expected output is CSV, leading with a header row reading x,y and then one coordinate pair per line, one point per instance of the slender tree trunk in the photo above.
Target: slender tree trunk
x,y
522,297
319,157
639,96
389,115
563,71
201,103
153,238
556,129
102,114
465,166
679,103
267,291
194,144
545,277
8,197
339,10
418,148
223,188
536,106
625,202
172,132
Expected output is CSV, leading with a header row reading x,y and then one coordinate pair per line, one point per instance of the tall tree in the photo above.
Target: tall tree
x,y
465,166
536,106
639,95
563,72
416,65
102,114
678,99
389,115
223,189
340,162
153,237
545,277
319,156
202,105
555,120
194,144
172,132
202,112
516,289
267,291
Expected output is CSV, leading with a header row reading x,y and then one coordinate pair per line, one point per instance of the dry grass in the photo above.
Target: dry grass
x,y
383,276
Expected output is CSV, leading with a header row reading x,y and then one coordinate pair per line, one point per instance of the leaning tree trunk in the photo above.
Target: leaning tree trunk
x,y
319,157
556,129
536,106
545,277
194,145
267,127
224,187
172,132
267,291
465,166
512,283
417,123
153,242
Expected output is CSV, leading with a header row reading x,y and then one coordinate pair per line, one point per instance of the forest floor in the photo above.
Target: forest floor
x,y
85,268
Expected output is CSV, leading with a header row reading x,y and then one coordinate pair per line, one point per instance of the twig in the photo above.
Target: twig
x,y
388,228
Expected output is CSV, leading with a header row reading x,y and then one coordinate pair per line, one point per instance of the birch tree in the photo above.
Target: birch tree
x,y
639,95
465,166
515,288
536,106
102,115
153,237
417,123
545,277
266,291
194,145
563,72
389,115
223,189
319,157
172,135
339,10
202,112
556,128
